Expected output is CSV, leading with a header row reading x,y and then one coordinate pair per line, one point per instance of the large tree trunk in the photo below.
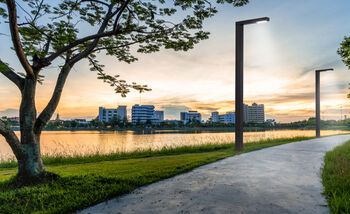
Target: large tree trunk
x,y
29,162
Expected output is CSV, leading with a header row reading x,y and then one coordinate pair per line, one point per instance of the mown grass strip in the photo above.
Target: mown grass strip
x,y
336,178
90,180
61,160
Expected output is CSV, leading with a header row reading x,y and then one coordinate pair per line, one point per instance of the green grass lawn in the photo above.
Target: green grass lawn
x,y
336,178
85,181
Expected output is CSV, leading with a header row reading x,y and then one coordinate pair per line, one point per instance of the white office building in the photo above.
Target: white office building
x,y
190,116
159,116
245,113
142,114
256,113
107,115
215,117
229,117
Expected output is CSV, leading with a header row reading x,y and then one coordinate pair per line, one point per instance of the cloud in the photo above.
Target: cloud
x,y
311,68
172,101
287,98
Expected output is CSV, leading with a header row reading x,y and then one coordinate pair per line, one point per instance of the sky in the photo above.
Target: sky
x,y
280,59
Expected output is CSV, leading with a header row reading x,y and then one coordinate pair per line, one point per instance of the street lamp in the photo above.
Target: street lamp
x,y
318,103
239,79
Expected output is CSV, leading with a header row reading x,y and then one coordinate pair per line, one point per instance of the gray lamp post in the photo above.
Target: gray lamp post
x,y
318,102
239,79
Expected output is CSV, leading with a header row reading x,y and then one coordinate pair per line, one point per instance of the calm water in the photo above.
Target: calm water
x,y
70,143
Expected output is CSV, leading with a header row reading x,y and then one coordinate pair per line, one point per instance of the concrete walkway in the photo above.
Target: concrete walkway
x,y
282,179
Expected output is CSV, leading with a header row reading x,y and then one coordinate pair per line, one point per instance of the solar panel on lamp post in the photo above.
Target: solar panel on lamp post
x,y
318,102
239,79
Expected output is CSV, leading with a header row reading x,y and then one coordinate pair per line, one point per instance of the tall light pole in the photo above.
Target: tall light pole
x,y
239,79
318,102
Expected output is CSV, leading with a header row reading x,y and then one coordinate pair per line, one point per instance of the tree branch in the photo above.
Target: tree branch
x,y
11,75
76,43
119,46
120,12
91,47
49,110
37,13
94,37
15,78
47,45
11,139
96,1
12,12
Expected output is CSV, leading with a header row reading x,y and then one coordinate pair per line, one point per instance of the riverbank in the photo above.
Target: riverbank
x,y
86,181
157,130
336,179
68,143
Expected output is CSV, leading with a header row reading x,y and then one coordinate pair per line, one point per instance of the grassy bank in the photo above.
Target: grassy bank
x,y
336,179
86,181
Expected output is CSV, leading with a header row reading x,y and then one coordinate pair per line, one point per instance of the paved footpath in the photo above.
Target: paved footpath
x,y
281,179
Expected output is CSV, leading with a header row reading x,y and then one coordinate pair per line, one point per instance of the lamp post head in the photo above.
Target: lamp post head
x,y
323,70
253,21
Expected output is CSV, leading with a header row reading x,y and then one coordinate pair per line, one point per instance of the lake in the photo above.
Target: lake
x,y
69,143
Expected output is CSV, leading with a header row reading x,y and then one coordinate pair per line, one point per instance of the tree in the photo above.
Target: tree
x,y
115,121
73,124
344,51
47,32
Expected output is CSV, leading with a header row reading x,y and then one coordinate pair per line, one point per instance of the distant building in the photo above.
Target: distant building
x,y
245,113
143,114
270,121
81,121
107,115
14,119
229,117
215,117
186,117
256,113
159,116
57,117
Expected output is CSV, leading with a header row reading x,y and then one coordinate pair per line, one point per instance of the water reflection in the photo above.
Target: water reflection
x,y
69,143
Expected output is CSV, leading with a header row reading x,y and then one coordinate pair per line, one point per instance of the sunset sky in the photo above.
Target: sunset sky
x,y
280,59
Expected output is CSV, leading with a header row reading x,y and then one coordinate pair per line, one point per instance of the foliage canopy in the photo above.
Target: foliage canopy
x,y
61,29
344,51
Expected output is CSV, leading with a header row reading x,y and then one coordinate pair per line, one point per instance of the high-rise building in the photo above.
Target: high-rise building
x,y
186,117
159,116
107,115
245,113
215,117
142,114
256,113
